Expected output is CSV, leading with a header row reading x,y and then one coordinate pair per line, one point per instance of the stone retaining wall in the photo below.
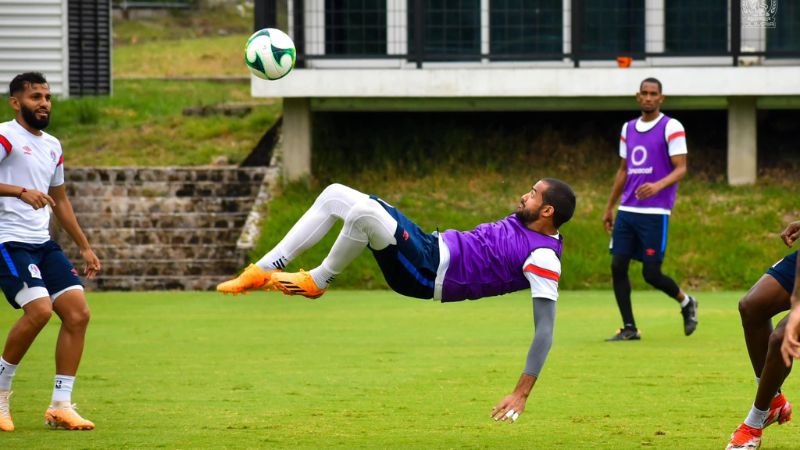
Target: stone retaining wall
x,y
165,228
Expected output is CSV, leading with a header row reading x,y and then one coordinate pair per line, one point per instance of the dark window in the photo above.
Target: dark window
x,y
613,27
785,36
89,47
693,26
525,28
355,27
452,29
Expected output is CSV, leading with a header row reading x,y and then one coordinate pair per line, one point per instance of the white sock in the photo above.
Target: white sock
x,y
685,301
62,389
322,276
756,418
273,260
7,371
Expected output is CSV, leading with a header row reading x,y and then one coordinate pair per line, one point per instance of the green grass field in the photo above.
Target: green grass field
x,y
361,369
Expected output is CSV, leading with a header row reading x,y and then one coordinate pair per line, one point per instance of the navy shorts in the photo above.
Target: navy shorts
x,y
34,265
784,271
642,237
410,266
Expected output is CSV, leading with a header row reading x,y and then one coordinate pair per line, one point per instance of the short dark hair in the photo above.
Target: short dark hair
x,y
561,197
651,80
21,81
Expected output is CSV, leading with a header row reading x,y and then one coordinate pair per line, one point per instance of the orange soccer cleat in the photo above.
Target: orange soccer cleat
x,y
745,437
6,424
253,277
299,283
780,410
63,415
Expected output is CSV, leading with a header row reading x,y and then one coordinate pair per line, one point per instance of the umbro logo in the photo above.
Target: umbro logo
x,y
27,150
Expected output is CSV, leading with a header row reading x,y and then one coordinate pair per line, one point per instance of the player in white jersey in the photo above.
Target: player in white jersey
x,y
35,275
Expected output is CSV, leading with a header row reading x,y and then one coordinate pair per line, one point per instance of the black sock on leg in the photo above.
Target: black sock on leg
x,y
622,289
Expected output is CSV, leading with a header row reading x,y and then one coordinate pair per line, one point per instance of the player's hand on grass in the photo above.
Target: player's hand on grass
x,y
509,409
92,265
791,233
37,199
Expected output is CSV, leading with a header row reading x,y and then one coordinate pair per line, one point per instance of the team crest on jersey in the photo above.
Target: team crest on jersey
x,y
53,155
27,150
638,155
34,270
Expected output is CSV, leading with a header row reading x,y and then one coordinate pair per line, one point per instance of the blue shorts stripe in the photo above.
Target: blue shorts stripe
x,y
664,235
8,261
413,271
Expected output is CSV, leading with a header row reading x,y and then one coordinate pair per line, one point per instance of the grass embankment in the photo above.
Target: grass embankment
x,y
184,43
359,369
142,124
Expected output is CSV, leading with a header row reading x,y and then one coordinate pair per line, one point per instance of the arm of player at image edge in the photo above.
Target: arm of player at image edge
x,y
791,233
790,348
544,317
66,217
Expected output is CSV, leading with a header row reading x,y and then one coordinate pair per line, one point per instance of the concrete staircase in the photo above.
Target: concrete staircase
x,y
166,228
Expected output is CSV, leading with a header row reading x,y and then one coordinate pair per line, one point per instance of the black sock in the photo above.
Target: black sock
x,y
622,289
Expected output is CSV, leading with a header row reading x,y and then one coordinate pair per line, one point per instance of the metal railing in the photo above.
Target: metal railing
x,y
575,32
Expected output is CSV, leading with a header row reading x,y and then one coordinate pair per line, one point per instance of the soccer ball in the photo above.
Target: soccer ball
x,y
269,54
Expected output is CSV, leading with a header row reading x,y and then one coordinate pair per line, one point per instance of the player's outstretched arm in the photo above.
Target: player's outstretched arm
x,y
544,314
791,233
790,348
66,217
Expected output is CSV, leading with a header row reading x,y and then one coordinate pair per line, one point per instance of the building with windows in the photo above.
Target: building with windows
x,y
507,55
68,41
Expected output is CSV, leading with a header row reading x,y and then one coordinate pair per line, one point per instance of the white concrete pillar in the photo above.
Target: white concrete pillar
x,y
296,138
742,144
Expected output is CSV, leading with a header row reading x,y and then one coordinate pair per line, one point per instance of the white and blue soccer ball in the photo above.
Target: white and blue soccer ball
x,y
269,54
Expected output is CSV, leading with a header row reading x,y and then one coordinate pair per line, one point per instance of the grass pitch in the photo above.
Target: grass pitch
x,y
371,369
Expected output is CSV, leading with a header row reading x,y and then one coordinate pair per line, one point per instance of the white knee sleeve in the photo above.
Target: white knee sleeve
x,y
368,221
333,203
